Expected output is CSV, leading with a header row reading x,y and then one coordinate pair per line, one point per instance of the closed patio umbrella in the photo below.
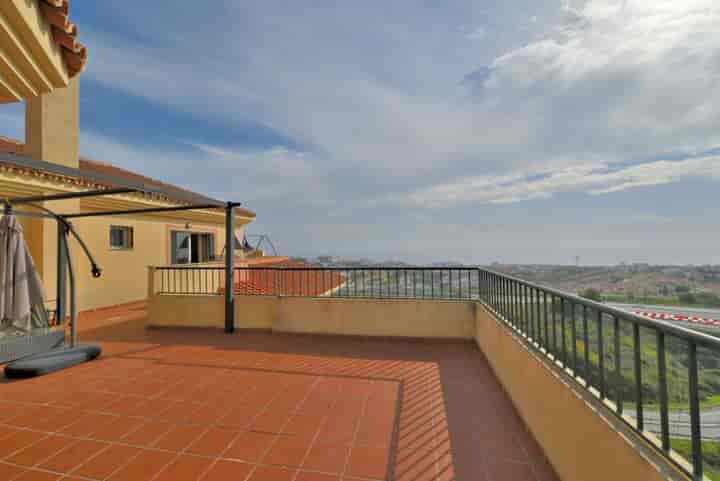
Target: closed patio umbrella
x,y
22,295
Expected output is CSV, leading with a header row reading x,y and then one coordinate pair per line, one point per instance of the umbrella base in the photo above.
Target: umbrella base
x,y
38,341
51,361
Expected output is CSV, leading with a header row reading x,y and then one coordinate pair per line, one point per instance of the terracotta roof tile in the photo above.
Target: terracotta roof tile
x,y
13,146
290,282
57,13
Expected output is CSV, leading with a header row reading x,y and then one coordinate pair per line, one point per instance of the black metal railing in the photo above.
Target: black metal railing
x,y
645,370
191,280
356,282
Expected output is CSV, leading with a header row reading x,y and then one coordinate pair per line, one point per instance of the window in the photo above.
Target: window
x,y
121,237
190,247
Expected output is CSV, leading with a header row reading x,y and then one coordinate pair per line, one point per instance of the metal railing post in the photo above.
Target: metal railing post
x,y
229,267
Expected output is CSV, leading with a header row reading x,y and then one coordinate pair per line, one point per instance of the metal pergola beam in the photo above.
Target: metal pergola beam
x,y
149,210
57,169
69,195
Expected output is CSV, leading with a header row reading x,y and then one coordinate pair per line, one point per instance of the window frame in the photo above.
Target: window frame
x,y
130,236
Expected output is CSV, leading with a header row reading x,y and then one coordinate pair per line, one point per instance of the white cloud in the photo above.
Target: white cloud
x,y
595,179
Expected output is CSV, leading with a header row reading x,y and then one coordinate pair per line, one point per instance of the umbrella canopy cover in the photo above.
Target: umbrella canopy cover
x,y
22,294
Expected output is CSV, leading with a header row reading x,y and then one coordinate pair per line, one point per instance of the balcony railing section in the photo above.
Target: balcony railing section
x,y
351,282
663,380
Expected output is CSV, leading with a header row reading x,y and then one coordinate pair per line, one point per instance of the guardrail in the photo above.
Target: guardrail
x,y
641,368
627,360
355,282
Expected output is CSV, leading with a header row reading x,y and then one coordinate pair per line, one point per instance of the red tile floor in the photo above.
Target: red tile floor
x,y
183,404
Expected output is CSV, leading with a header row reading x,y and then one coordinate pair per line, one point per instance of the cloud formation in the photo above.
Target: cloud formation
x,y
594,179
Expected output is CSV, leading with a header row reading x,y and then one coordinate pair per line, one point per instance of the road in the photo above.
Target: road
x,y
680,422
688,311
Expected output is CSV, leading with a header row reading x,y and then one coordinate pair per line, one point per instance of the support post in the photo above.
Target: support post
x,y
61,286
229,267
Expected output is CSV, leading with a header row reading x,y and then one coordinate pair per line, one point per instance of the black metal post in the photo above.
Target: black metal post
x,y
229,267
61,286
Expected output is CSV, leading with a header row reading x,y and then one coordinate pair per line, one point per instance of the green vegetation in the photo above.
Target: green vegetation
x,y
592,294
711,455
708,403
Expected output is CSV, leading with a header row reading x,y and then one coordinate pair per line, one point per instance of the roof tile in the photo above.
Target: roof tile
x,y
65,32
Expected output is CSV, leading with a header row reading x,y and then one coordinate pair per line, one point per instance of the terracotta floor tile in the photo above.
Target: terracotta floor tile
x,y
19,440
303,425
509,470
307,476
9,472
369,462
328,458
40,451
179,438
271,421
249,446
107,462
143,467
185,468
272,474
147,434
213,442
117,429
87,425
227,471
338,430
238,418
287,451
6,431
37,476
76,453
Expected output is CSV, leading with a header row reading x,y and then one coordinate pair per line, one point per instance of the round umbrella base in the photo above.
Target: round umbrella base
x,y
51,361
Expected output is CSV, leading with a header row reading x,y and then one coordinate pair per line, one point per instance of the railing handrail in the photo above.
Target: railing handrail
x,y
667,327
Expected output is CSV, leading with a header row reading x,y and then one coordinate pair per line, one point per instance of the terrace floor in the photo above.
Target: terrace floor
x,y
182,404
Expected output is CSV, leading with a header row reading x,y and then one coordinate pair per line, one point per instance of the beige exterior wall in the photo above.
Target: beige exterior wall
x,y
373,317
186,311
364,317
52,125
580,441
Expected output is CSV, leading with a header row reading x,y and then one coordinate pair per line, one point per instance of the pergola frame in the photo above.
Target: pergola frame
x,y
117,185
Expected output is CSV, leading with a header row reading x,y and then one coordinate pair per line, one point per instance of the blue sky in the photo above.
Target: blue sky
x,y
517,131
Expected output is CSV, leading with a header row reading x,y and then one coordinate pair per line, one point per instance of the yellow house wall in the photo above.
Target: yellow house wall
x,y
186,311
372,317
580,441
365,317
